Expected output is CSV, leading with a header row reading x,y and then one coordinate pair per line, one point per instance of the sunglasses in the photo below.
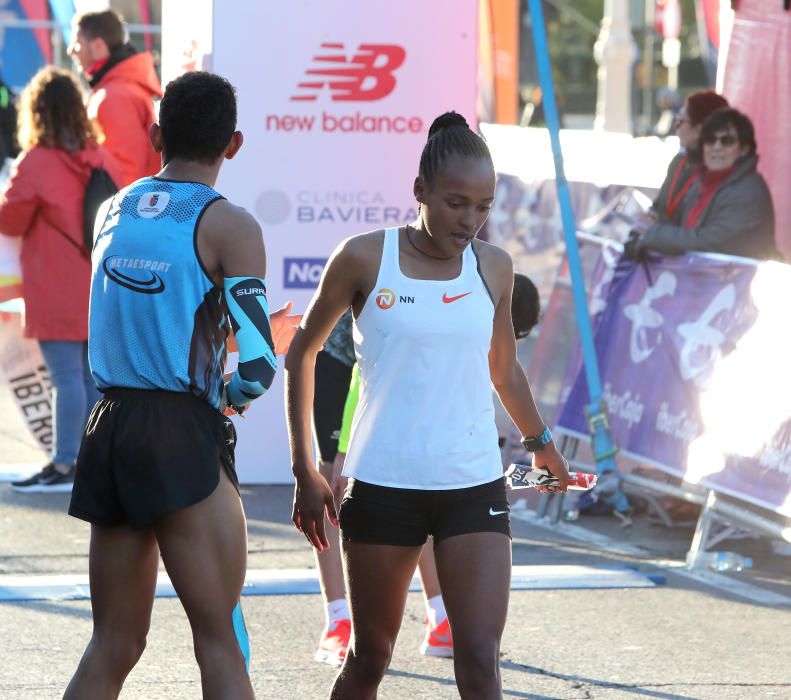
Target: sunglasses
x,y
726,140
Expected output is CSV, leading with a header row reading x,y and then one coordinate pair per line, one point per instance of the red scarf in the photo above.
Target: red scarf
x,y
97,66
674,198
710,182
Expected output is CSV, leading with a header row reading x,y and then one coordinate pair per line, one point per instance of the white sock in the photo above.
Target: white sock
x,y
435,610
337,610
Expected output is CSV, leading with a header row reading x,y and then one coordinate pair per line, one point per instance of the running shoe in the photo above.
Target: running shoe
x,y
438,641
334,642
48,480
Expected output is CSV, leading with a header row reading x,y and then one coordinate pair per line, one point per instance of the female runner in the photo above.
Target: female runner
x,y
432,333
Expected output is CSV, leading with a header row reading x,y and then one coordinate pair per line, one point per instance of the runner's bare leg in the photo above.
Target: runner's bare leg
x,y
378,578
477,605
122,568
204,548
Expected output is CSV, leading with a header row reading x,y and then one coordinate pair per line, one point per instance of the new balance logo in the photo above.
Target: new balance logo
x,y
365,77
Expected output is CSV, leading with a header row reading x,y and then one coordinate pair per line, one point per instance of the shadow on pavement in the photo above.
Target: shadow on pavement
x,y
449,682
53,608
579,682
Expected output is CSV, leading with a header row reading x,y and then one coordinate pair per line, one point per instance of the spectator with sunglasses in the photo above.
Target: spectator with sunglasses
x,y
682,169
728,207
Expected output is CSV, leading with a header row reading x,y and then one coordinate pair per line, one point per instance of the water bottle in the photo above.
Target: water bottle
x,y
724,562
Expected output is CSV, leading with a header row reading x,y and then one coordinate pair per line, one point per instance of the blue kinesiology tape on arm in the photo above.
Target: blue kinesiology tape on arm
x,y
249,313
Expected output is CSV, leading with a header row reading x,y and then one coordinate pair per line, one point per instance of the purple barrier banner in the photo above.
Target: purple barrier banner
x,y
525,220
693,355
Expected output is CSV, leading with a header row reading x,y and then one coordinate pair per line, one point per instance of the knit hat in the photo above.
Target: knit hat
x,y
701,104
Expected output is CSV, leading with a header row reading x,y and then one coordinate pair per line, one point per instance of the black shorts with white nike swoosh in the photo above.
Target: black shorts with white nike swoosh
x,y
373,514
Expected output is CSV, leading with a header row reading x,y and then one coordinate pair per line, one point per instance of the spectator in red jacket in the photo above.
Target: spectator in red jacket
x,y
124,85
42,203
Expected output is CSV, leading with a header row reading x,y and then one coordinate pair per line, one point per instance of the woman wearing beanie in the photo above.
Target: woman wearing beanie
x,y
728,207
682,169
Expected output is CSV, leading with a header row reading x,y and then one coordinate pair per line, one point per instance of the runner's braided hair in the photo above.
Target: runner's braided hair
x,y
450,135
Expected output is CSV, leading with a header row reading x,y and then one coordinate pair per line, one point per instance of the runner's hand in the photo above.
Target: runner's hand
x,y
312,496
555,463
338,481
284,327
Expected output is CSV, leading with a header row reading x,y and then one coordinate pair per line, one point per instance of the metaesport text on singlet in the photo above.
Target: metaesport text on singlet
x,y
425,417
157,321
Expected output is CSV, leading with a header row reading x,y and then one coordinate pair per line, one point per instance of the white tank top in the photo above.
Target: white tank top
x,y
425,418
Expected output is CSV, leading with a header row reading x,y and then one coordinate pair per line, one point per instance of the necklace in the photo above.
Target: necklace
x,y
423,252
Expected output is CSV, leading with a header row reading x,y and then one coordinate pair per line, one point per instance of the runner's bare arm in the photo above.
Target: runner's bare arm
x,y
508,376
230,244
345,280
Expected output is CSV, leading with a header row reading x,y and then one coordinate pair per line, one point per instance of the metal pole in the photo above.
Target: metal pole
x,y
57,47
615,52
648,64
603,448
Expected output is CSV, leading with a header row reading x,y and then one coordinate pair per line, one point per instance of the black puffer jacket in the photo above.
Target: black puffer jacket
x,y
739,220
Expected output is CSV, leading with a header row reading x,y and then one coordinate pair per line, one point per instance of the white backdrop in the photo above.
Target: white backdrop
x,y
335,99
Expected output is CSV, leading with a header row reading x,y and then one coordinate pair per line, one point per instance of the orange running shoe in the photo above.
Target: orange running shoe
x,y
334,642
438,641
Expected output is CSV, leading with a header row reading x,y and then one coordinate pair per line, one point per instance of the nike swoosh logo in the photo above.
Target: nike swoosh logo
x,y
447,300
497,512
442,638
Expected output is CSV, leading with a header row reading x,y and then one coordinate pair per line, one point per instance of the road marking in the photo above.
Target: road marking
x,y
297,581
724,583
18,472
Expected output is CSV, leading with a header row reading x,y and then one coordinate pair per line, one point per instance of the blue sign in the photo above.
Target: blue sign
x,y
302,273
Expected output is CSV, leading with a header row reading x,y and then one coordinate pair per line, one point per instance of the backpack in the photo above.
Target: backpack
x,y
8,144
100,187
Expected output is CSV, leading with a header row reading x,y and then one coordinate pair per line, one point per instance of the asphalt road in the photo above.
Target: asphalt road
x,y
696,636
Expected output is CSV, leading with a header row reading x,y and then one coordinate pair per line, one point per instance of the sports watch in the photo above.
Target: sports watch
x,y
537,443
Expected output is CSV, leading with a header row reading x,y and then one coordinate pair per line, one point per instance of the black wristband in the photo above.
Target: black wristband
x,y
538,442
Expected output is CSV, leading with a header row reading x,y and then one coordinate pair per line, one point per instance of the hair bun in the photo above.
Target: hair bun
x,y
447,120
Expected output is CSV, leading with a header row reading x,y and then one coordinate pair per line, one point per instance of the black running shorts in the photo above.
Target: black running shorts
x,y
372,514
149,453
332,380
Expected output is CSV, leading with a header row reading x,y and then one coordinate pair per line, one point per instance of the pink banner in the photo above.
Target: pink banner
x,y
757,79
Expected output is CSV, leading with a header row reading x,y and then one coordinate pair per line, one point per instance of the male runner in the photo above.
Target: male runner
x,y
175,266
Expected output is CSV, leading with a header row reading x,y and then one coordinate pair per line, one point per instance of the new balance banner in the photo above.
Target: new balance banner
x,y
693,353
335,102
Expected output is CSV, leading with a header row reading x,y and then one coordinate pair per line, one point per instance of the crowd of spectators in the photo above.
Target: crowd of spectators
x,y
65,139
713,199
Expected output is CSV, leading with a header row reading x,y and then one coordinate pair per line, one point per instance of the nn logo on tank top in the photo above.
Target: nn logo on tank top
x,y
386,298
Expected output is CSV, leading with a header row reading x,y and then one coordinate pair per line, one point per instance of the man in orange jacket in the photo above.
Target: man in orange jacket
x,y
123,87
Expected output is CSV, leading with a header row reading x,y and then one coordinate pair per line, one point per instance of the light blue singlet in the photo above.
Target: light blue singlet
x,y
157,320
